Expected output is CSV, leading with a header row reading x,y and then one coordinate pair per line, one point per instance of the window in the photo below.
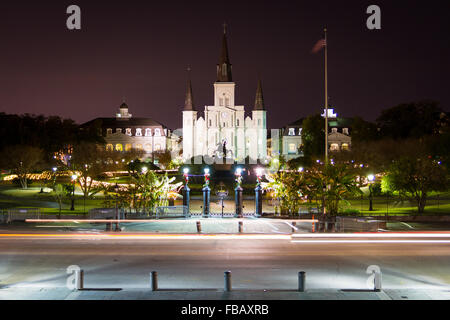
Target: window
x,y
292,131
148,132
237,122
259,123
334,147
345,146
300,131
127,147
138,132
119,147
148,147
128,132
138,146
108,131
224,69
345,131
334,130
227,102
210,123
221,102
157,147
292,148
157,132
118,130
109,147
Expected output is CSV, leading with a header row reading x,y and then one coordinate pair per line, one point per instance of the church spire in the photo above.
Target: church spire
x,y
189,100
224,66
259,99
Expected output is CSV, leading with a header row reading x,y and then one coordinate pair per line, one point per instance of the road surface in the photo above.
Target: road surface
x,y
39,259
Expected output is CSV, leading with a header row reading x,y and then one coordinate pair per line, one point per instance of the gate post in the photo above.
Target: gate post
x,y
258,200
238,201
186,198
206,198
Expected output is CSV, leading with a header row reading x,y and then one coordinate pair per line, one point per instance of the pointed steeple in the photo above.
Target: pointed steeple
x,y
224,66
189,100
259,99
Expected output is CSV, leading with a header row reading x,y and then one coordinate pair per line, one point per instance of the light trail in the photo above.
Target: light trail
x,y
132,221
371,241
373,235
150,236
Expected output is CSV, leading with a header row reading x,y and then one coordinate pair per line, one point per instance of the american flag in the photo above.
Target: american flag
x,y
319,45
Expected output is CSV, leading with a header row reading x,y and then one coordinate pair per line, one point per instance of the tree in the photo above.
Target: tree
x,y
331,184
363,131
22,160
410,120
290,188
416,178
313,136
154,190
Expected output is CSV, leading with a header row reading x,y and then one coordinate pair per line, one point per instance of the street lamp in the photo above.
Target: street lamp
x,y
371,179
116,190
300,169
144,170
186,175
258,192
186,197
74,179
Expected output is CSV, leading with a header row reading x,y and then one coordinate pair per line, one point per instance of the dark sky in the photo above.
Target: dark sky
x,y
140,50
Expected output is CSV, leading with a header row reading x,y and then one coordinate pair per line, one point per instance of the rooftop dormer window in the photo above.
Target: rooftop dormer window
x,y
345,131
108,131
128,132
292,131
334,130
148,132
118,130
138,132
157,132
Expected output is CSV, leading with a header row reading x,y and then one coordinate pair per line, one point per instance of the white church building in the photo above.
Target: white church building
x,y
224,130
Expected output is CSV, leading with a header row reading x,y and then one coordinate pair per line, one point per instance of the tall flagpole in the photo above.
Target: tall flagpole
x,y
326,97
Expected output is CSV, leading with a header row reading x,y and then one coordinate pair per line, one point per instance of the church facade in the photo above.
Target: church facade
x,y
224,130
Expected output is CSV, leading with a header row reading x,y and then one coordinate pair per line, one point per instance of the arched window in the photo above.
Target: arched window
x,y
157,132
148,132
128,147
138,146
157,147
119,147
118,130
108,131
237,122
138,132
224,69
109,147
334,147
345,146
128,132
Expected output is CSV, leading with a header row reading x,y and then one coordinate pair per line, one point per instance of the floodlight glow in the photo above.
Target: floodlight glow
x,y
371,177
238,171
74,177
54,169
259,172
186,170
144,169
300,169
206,170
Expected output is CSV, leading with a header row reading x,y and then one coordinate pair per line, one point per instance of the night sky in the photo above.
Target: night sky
x,y
140,50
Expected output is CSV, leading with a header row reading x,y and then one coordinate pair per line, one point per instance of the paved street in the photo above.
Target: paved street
x,y
38,260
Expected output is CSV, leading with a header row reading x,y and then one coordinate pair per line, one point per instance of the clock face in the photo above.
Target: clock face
x,y
224,115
